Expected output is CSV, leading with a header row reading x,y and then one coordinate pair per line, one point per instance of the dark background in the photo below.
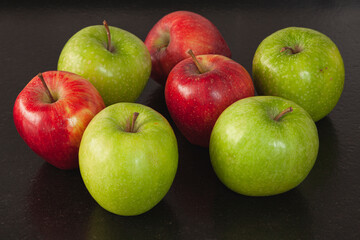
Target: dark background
x,y
38,201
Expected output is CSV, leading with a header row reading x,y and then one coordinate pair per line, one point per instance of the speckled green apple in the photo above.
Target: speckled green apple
x,y
128,161
119,71
263,146
302,65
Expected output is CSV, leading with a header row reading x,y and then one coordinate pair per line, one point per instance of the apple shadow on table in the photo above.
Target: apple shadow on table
x,y
59,206
58,203
284,216
326,162
158,223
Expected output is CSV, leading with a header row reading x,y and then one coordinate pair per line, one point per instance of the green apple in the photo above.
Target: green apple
x,y
263,145
128,158
301,65
115,61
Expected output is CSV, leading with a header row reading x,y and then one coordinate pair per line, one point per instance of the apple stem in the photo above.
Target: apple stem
x,y
294,50
198,65
130,125
108,36
289,109
46,87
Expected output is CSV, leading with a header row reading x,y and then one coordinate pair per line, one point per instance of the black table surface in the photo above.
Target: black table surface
x,y
38,201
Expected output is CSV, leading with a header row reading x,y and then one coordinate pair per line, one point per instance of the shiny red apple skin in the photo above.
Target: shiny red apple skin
x,y
195,100
54,130
182,30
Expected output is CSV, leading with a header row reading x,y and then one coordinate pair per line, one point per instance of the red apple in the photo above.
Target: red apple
x,y
176,33
198,90
52,113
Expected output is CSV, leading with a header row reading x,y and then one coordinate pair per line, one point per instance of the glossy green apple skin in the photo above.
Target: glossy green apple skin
x,y
256,156
120,75
128,173
313,78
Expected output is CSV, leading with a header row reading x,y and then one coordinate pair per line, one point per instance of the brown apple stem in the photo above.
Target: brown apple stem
x,y
131,124
198,65
294,50
108,35
289,109
46,87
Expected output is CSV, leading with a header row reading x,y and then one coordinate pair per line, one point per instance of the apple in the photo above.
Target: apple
x,y
128,158
174,34
302,65
198,89
115,61
52,112
263,146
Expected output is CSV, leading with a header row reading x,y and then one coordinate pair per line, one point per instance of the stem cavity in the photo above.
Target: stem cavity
x,y
46,87
198,65
294,50
289,109
131,123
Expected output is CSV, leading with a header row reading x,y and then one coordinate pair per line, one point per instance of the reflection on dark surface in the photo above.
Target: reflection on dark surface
x,y
58,203
158,223
284,216
193,188
59,206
